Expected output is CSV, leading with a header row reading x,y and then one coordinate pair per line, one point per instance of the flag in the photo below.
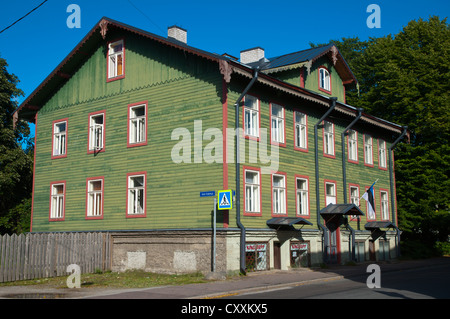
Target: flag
x,y
368,196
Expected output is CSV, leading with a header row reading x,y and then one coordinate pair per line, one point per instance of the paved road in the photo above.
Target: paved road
x,y
422,283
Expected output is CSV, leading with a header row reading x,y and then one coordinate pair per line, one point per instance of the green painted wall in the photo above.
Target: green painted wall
x,y
189,90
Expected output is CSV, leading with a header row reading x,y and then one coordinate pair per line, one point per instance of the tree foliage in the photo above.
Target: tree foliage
x,y
16,159
405,79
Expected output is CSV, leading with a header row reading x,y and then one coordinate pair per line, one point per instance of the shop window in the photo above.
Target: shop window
x,y
300,256
256,256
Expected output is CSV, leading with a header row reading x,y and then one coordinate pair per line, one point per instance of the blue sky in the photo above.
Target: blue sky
x,y
36,45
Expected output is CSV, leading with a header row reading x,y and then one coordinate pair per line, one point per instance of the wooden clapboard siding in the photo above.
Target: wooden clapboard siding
x,y
177,95
294,162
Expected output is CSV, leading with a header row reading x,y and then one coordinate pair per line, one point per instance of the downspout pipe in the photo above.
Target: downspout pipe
x,y
319,223
344,176
391,180
238,177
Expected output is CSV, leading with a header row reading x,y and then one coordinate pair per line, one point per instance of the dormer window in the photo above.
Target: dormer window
x,y
116,60
324,80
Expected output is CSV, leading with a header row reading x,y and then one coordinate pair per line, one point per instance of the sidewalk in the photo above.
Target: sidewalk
x,y
231,287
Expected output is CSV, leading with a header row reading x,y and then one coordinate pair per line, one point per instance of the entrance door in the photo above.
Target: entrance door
x,y
333,249
277,255
372,256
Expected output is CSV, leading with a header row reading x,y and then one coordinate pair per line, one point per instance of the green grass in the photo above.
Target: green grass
x,y
128,279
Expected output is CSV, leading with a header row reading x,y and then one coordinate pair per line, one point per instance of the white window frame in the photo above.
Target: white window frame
x,y
94,198
368,150
302,194
113,57
324,79
382,161
136,197
301,130
96,132
279,193
137,125
328,138
59,139
352,146
384,204
354,197
252,192
251,116
330,198
277,123
57,202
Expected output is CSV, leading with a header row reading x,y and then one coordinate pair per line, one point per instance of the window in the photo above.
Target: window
x,y
251,116
94,205
279,194
300,131
353,146
384,205
330,192
324,80
136,195
328,139
116,60
252,191
137,124
59,139
354,198
277,126
302,200
57,200
382,154
96,134
368,150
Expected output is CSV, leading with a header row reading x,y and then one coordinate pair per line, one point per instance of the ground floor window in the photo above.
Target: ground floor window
x,y
300,255
256,256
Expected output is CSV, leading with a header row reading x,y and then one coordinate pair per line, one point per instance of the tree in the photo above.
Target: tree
x,y
16,158
405,79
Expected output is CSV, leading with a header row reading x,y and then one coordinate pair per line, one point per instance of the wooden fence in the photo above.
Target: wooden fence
x,y
33,256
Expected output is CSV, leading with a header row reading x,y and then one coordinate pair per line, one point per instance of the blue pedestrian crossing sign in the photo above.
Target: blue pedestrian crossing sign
x,y
225,199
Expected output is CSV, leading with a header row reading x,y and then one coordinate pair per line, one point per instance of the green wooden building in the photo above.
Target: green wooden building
x,y
132,128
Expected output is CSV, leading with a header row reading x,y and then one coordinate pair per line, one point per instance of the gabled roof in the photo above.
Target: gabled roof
x,y
227,65
302,58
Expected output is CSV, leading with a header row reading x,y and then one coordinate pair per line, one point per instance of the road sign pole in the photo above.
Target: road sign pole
x,y
214,236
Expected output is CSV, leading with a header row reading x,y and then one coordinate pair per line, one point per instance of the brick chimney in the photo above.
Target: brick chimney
x,y
252,55
177,33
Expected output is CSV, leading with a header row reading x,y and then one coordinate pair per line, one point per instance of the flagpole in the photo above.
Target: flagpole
x,y
366,191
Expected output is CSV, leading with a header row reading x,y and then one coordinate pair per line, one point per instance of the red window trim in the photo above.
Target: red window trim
x,y
306,150
129,145
329,181
89,151
256,169
350,185
334,140
285,194
145,196
318,77
284,124
53,138
385,154
389,204
304,177
251,137
364,144
112,79
102,178
50,219
348,148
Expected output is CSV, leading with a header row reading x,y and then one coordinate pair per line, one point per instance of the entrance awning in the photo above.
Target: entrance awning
x,y
334,214
286,223
375,228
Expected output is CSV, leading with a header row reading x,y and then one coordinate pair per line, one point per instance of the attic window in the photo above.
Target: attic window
x,y
116,60
324,80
